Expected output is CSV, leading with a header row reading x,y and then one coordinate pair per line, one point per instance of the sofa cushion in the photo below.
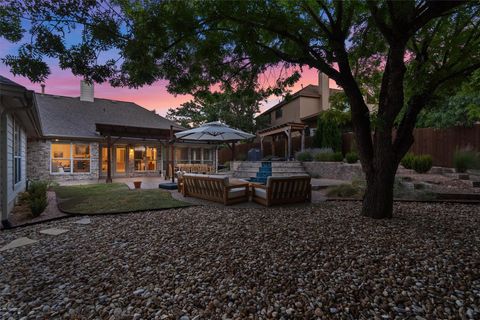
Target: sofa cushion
x,y
236,192
261,193
272,178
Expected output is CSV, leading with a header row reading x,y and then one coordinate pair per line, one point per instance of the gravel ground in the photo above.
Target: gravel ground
x,y
210,263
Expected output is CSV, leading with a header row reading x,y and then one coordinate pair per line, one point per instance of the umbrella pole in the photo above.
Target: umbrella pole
x,y
171,154
233,151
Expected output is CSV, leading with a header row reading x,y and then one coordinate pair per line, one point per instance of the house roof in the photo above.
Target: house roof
x,y
19,101
71,118
311,91
8,82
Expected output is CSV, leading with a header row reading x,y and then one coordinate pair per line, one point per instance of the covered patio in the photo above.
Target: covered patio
x,y
132,151
284,130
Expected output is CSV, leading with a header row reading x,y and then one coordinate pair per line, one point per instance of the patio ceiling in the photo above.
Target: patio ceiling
x,y
122,131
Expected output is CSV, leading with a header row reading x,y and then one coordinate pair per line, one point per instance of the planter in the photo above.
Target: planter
x,y
137,184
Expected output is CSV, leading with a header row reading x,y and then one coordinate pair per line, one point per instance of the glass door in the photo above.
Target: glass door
x,y
120,160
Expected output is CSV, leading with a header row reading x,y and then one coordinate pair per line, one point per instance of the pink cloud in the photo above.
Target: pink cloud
x,y
154,97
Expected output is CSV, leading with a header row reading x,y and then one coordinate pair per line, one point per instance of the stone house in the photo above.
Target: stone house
x,y
64,138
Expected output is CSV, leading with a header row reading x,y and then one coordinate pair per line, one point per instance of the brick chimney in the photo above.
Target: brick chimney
x,y
86,91
324,89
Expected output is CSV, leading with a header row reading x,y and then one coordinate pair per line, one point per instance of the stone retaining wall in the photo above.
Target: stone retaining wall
x,y
334,170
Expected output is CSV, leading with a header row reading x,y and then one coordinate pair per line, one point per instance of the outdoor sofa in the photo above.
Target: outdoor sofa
x,y
283,190
213,187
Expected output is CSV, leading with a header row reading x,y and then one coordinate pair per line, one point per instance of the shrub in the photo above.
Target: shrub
x,y
328,134
329,156
464,160
337,157
37,192
304,156
38,205
241,157
407,161
422,163
351,157
345,191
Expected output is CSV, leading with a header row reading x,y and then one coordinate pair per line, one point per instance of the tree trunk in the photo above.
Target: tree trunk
x,y
378,198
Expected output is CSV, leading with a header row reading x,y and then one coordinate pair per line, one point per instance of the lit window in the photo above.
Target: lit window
x,y
70,158
145,158
104,159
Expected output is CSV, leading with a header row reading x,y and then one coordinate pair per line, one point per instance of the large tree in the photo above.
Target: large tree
x,y
415,48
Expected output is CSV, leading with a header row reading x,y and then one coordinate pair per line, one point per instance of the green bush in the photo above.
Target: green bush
x,y
345,191
37,192
328,134
422,163
407,161
241,157
351,157
329,156
38,205
337,157
323,156
464,160
304,156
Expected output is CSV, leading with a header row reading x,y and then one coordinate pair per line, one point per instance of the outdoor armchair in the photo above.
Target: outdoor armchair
x,y
282,190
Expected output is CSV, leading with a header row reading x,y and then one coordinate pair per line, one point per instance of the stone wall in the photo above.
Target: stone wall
x,y
38,162
334,170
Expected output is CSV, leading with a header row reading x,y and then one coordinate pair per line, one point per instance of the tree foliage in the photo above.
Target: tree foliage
x,y
403,52
457,106
328,134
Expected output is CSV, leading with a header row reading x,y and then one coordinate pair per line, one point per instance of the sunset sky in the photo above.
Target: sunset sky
x,y
62,82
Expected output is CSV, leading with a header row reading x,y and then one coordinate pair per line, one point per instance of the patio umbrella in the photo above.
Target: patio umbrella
x,y
214,132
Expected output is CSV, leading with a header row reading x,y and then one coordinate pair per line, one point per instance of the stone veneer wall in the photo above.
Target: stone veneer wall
x,y
334,170
38,162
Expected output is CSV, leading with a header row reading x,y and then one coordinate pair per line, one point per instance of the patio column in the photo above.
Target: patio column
x,y
289,143
261,146
172,151
109,159
215,159
302,146
273,146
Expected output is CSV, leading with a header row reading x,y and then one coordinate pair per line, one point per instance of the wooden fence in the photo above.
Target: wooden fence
x,y
441,144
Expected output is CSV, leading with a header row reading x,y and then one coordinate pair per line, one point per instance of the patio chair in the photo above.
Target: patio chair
x,y
214,188
283,190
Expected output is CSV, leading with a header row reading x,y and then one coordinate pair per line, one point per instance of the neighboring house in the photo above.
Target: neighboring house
x,y
303,106
18,119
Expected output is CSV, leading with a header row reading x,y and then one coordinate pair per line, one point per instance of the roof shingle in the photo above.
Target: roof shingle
x,y
69,117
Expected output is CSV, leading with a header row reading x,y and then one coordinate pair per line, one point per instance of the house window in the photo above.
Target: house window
x,y
195,155
104,159
181,155
17,152
145,158
207,155
70,158
278,113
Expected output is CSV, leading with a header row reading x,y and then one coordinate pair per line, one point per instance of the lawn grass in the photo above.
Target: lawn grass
x,y
112,198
